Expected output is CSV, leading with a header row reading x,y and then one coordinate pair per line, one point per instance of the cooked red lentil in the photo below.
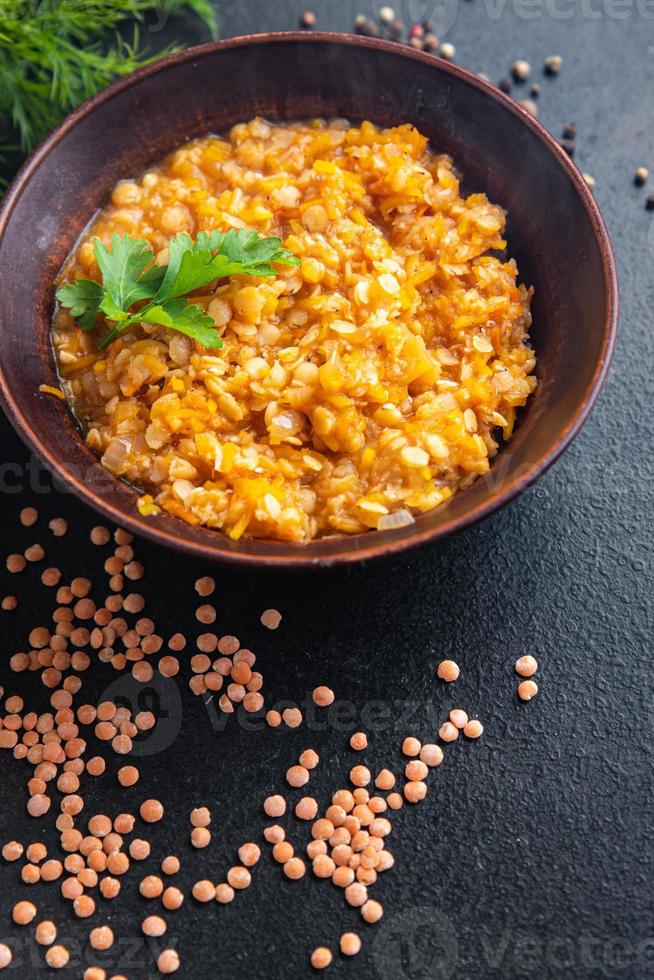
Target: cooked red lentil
x,y
354,391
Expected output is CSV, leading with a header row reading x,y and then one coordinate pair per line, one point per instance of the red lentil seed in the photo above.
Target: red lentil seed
x,y
249,854
294,868
448,732
16,563
360,776
282,851
168,961
58,526
415,791
23,913
359,741
30,874
292,717
200,817
228,645
224,893
151,886
322,829
71,889
46,933
28,516
9,602
168,666
306,808
84,906
205,586
139,849
36,853
239,877
274,834
109,888
297,776
151,811
153,926
372,911
356,894
206,614
12,851
200,837
315,848
527,690
350,944
100,535
170,865
274,806
473,729
35,552
431,755
526,666
411,746
448,671
458,718
323,696
101,938
57,957
271,618
321,958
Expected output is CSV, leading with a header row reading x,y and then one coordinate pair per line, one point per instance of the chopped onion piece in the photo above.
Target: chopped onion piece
x,y
399,518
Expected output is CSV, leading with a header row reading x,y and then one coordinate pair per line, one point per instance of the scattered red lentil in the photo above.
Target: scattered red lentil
x,y
526,666
153,926
224,893
57,957
321,958
271,619
448,732
168,961
46,933
448,671
350,944
527,690
151,811
323,696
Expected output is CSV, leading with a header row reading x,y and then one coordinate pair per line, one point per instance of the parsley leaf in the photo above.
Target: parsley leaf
x,y
122,269
130,275
83,298
179,314
216,256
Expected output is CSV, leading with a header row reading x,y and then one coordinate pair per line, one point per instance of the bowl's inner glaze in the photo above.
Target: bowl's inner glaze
x,y
552,233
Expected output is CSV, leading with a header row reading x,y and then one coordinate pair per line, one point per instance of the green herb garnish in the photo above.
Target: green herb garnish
x,y
56,53
130,275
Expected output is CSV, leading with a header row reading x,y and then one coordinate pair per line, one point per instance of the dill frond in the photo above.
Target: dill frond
x,y
56,53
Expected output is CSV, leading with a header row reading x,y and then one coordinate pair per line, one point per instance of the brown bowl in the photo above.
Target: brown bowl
x,y
555,231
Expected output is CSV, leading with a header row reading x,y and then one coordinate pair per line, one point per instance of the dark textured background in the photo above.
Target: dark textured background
x,y
531,856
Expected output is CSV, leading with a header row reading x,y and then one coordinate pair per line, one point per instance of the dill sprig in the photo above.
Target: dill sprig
x,y
56,53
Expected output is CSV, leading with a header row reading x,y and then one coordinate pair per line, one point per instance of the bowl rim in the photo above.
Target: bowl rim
x,y
365,547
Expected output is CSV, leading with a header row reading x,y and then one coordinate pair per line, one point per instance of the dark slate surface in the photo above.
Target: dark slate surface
x,y
531,856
